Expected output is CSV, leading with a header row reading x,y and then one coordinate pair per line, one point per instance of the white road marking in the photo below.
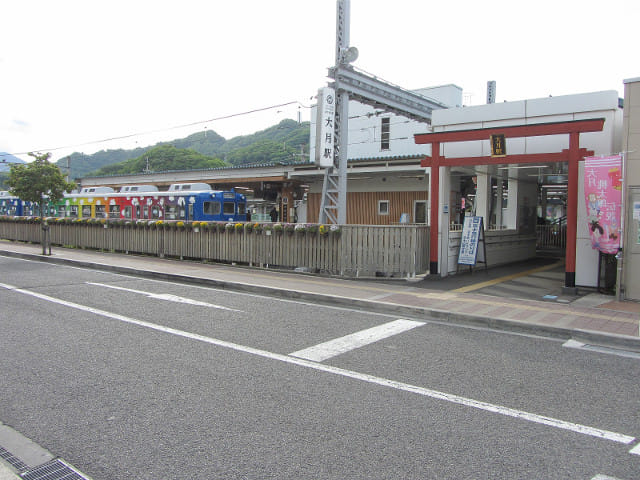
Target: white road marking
x,y
165,296
329,349
635,450
604,477
571,343
468,402
598,349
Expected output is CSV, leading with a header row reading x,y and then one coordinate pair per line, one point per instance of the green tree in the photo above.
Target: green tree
x,y
35,181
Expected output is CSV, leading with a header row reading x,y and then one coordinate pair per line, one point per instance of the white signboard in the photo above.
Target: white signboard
x,y
471,231
325,122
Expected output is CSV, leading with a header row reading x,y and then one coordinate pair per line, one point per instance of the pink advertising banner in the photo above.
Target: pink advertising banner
x,y
603,195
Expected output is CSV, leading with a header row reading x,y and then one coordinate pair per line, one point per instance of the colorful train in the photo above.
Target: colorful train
x,y
183,201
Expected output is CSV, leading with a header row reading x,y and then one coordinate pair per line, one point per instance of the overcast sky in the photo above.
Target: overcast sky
x,y
73,73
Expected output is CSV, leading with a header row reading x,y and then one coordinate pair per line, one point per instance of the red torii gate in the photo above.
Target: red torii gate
x,y
573,155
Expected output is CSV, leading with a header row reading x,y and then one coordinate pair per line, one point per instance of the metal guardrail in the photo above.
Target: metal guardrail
x,y
551,236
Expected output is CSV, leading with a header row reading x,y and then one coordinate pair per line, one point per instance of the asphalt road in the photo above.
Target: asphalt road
x,y
127,378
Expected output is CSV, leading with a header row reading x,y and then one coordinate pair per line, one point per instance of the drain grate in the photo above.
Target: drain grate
x,y
53,470
14,461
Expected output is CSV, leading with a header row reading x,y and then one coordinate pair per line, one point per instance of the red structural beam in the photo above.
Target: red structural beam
x,y
532,130
519,158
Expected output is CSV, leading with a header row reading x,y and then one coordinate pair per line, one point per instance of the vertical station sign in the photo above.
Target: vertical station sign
x,y
498,146
325,127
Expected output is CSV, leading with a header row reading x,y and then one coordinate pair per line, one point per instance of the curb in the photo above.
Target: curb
x,y
446,317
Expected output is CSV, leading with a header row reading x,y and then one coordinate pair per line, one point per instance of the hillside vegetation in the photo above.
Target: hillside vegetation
x,y
287,142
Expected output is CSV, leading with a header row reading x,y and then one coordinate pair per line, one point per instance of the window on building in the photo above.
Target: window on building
x,y
383,207
385,132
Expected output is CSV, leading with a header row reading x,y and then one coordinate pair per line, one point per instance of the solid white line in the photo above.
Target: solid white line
x,y
635,450
329,349
510,412
165,296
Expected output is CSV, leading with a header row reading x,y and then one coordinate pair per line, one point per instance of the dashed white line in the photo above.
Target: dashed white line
x,y
323,351
165,296
488,407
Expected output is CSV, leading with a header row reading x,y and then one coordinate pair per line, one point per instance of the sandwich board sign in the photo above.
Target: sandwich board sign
x,y
472,235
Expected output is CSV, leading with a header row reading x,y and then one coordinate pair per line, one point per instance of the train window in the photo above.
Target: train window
x,y
211,208
145,212
86,210
229,208
72,211
127,212
171,212
156,212
100,211
241,208
114,211
137,211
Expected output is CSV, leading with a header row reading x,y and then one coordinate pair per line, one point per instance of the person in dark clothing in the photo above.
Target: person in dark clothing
x,y
273,214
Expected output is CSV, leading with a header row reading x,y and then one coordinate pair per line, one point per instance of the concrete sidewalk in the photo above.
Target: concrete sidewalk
x,y
593,319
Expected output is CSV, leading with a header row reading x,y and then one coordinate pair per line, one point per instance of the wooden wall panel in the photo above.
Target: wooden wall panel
x,y
362,207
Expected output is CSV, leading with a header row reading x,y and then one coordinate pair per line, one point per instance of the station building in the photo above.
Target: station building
x,y
389,181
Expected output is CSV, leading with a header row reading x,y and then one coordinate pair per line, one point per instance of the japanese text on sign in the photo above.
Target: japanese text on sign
x,y
603,197
498,146
325,123
469,240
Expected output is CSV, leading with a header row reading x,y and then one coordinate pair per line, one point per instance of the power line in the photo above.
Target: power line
x,y
176,127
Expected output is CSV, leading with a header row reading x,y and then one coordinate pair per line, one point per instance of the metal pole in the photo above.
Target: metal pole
x,y
620,254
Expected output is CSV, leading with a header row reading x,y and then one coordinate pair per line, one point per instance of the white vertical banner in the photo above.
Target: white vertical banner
x,y
325,127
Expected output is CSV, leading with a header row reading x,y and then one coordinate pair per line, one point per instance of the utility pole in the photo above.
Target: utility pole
x,y
350,84
333,206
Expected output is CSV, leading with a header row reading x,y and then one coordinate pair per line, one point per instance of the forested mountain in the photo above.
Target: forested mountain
x,y
161,159
6,160
287,141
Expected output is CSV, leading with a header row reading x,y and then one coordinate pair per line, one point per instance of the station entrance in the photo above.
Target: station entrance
x,y
500,160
